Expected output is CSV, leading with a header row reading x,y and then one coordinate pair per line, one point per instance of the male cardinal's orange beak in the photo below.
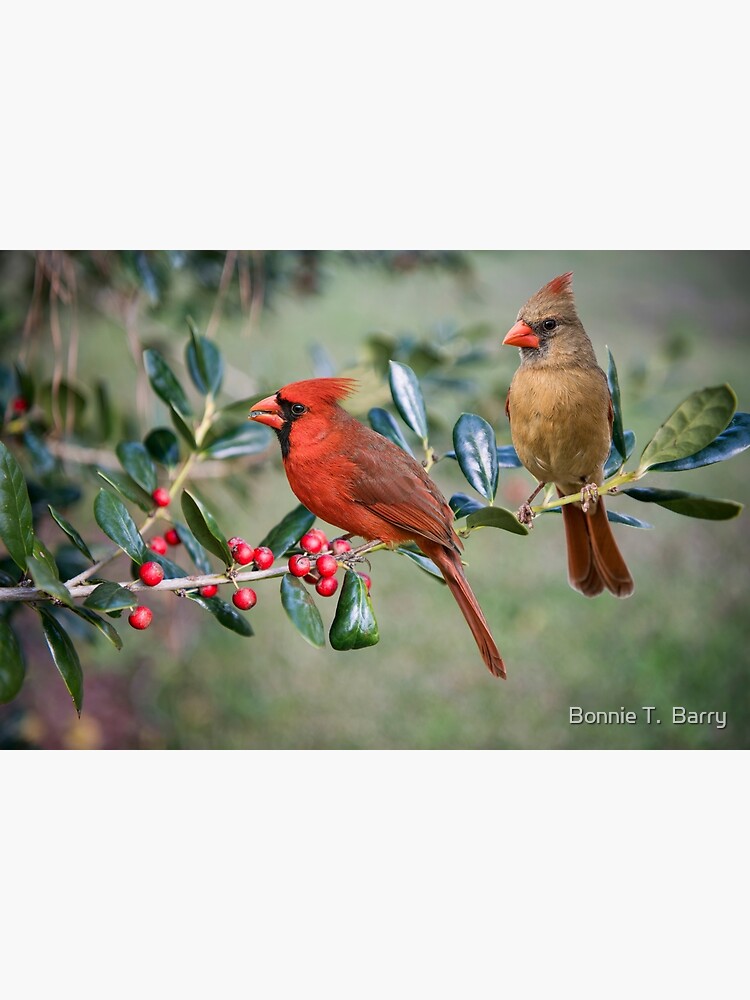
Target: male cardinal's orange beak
x,y
521,335
267,411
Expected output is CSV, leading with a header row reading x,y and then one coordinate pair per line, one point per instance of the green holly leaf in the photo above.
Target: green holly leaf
x,y
114,519
476,453
302,610
16,526
691,427
64,656
354,625
407,395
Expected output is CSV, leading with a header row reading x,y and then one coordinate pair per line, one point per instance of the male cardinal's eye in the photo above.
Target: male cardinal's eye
x,y
549,324
298,409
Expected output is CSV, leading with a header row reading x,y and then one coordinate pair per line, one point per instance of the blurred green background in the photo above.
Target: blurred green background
x,y
675,322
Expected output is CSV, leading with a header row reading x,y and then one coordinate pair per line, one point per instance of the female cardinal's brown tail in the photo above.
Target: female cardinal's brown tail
x,y
594,560
450,566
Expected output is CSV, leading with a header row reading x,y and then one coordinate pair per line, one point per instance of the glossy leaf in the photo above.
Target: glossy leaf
x,y
110,597
12,667
71,532
194,548
618,434
507,457
476,453
203,525
165,384
408,398
688,504
247,439
127,488
163,446
101,624
64,656
617,518
225,614
289,530
138,463
44,573
114,519
616,460
182,428
354,625
204,362
734,440
462,504
382,422
421,560
302,610
496,517
692,426
16,527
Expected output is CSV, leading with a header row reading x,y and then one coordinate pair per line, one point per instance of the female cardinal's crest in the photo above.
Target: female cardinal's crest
x,y
562,283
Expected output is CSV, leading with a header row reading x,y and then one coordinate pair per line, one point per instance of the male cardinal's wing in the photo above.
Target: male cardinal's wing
x,y
395,487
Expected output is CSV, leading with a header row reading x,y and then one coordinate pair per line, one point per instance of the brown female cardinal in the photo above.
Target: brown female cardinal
x,y
356,479
560,413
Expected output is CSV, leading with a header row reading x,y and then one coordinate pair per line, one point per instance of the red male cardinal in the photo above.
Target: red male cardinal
x,y
352,477
560,413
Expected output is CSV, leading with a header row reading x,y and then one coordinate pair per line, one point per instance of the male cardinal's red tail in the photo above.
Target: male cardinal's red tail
x,y
594,560
450,566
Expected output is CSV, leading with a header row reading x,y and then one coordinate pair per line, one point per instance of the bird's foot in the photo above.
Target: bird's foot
x,y
358,554
589,496
525,515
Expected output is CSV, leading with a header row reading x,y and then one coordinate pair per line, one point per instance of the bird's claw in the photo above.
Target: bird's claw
x,y
589,496
525,515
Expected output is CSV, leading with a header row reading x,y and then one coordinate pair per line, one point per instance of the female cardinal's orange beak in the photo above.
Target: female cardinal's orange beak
x,y
267,411
521,335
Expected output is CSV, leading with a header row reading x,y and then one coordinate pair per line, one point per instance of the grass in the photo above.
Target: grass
x,y
675,322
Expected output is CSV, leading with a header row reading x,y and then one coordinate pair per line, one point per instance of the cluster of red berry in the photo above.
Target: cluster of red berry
x,y
319,564
152,574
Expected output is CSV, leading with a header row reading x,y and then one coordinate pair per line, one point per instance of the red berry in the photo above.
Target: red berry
x,y
323,538
151,573
242,553
244,598
19,405
209,590
299,565
368,581
263,557
171,537
158,544
140,617
311,578
339,546
234,540
326,565
327,586
161,497
311,542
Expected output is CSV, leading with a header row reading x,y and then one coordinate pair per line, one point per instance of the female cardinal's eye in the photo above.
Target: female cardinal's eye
x,y
549,324
298,409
